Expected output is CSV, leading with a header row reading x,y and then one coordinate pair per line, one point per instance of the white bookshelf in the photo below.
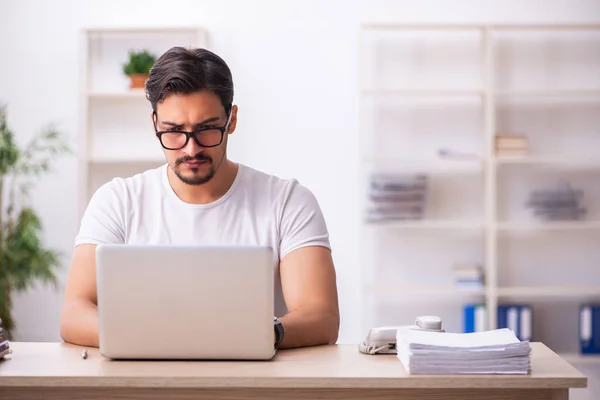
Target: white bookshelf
x,y
425,87
116,136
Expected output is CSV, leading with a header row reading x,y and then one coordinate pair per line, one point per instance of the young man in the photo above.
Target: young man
x,y
200,197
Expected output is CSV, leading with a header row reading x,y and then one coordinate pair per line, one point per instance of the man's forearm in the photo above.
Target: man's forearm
x,y
309,326
79,323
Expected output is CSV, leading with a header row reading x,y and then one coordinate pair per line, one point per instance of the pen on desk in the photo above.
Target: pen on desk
x,y
84,354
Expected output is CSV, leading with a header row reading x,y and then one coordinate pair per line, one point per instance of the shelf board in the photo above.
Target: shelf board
x,y
127,94
549,160
446,164
430,291
577,358
549,93
446,27
142,29
576,27
549,226
133,160
428,224
549,291
422,92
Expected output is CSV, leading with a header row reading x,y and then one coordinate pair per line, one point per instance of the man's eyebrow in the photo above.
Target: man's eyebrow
x,y
206,121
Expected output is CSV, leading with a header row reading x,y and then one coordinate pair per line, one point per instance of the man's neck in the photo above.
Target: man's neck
x,y
208,192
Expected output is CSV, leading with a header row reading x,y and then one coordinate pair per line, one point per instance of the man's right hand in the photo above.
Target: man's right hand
x,y
79,316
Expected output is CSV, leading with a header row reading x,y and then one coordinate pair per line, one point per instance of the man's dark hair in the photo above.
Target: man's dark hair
x,y
183,71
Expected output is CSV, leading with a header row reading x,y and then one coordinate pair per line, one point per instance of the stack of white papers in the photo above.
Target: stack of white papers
x,y
492,352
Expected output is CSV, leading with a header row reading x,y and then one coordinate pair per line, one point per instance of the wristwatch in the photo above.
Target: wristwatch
x,y
278,331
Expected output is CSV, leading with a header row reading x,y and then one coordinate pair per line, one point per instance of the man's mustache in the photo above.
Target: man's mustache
x,y
197,157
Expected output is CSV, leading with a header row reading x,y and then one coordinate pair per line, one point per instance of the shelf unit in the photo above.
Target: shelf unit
x,y
116,137
426,87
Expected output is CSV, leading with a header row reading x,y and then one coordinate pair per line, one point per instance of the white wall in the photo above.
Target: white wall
x,y
295,69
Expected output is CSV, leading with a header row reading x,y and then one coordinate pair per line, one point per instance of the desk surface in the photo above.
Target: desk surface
x,y
340,366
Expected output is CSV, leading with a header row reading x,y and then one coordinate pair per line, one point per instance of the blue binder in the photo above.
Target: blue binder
x,y
469,318
518,318
589,329
474,318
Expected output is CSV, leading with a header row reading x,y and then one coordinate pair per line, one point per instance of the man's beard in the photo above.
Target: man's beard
x,y
195,180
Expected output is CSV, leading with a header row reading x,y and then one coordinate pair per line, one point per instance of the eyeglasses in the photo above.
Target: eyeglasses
x,y
210,136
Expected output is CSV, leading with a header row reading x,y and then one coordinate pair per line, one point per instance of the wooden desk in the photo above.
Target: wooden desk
x,y
57,370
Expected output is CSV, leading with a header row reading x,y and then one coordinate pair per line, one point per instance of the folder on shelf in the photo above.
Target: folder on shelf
x,y
589,329
517,318
475,318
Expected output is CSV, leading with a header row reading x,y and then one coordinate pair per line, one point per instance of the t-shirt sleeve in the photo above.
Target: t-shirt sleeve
x,y
302,221
103,219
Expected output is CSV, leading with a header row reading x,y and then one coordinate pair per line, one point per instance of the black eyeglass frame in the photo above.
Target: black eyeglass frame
x,y
191,134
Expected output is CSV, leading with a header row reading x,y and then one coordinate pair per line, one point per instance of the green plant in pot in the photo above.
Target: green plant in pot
x,y
23,258
138,67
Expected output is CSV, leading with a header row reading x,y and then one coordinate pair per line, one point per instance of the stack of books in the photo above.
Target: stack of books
x,y
510,145
397,197
497,351
468,276
562,203
4,345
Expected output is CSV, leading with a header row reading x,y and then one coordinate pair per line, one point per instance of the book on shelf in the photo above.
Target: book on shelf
x,y
516,317
560,203
468,276
507,145
510,141
396,197
589,329
449,154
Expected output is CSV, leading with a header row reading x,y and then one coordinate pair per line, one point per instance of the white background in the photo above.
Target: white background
x,y
295,67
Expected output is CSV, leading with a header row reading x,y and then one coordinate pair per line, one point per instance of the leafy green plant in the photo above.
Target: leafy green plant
x,y
23,258
139,62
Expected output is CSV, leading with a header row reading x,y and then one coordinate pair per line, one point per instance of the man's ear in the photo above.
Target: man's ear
x,y
233,119
153,118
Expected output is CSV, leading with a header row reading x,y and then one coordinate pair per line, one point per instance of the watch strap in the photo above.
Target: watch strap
x,y
278,331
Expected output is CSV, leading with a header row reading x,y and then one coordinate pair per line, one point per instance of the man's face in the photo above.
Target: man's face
x,y
194,164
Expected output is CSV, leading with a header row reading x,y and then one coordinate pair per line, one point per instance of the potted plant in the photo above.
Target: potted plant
x,y
138,67
23,258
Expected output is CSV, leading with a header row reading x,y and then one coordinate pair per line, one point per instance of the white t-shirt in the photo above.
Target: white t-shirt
x,y
258,209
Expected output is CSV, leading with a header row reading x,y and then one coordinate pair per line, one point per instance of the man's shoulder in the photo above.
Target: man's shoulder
x,y
262,178
274,186
132,184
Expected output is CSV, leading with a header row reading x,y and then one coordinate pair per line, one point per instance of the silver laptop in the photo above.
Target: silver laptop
x,y
179,302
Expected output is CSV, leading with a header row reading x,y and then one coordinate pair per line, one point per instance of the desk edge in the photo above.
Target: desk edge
x,y
421,382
